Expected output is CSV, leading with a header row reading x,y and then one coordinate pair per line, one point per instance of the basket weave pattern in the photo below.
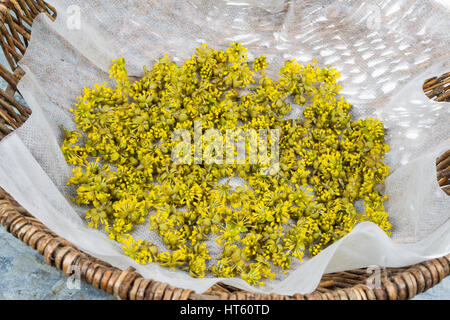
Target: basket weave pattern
x,y
16,18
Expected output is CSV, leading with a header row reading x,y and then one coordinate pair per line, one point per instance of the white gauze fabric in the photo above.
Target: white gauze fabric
x,y
383,49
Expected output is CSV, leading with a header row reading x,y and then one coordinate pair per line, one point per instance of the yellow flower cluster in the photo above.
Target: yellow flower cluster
x,y
124,172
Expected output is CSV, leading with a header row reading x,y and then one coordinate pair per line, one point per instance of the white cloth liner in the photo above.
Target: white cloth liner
x,y
384,51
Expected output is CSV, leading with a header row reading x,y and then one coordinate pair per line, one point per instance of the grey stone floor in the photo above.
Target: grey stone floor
x,y
25,275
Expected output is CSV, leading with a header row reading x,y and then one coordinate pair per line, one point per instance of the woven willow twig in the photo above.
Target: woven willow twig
x,y
396,283
438,88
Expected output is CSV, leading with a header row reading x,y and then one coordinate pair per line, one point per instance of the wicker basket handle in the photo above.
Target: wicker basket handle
x,y
438,89
16,18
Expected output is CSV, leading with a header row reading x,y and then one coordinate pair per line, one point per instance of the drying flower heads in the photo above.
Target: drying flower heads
x,y
123,147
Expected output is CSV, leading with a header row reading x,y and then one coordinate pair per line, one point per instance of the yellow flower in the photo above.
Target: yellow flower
x,y
123,171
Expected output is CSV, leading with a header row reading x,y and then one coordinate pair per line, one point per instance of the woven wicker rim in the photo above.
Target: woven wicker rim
x,y
16,18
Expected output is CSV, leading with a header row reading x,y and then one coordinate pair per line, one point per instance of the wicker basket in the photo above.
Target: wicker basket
x,y
397,283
